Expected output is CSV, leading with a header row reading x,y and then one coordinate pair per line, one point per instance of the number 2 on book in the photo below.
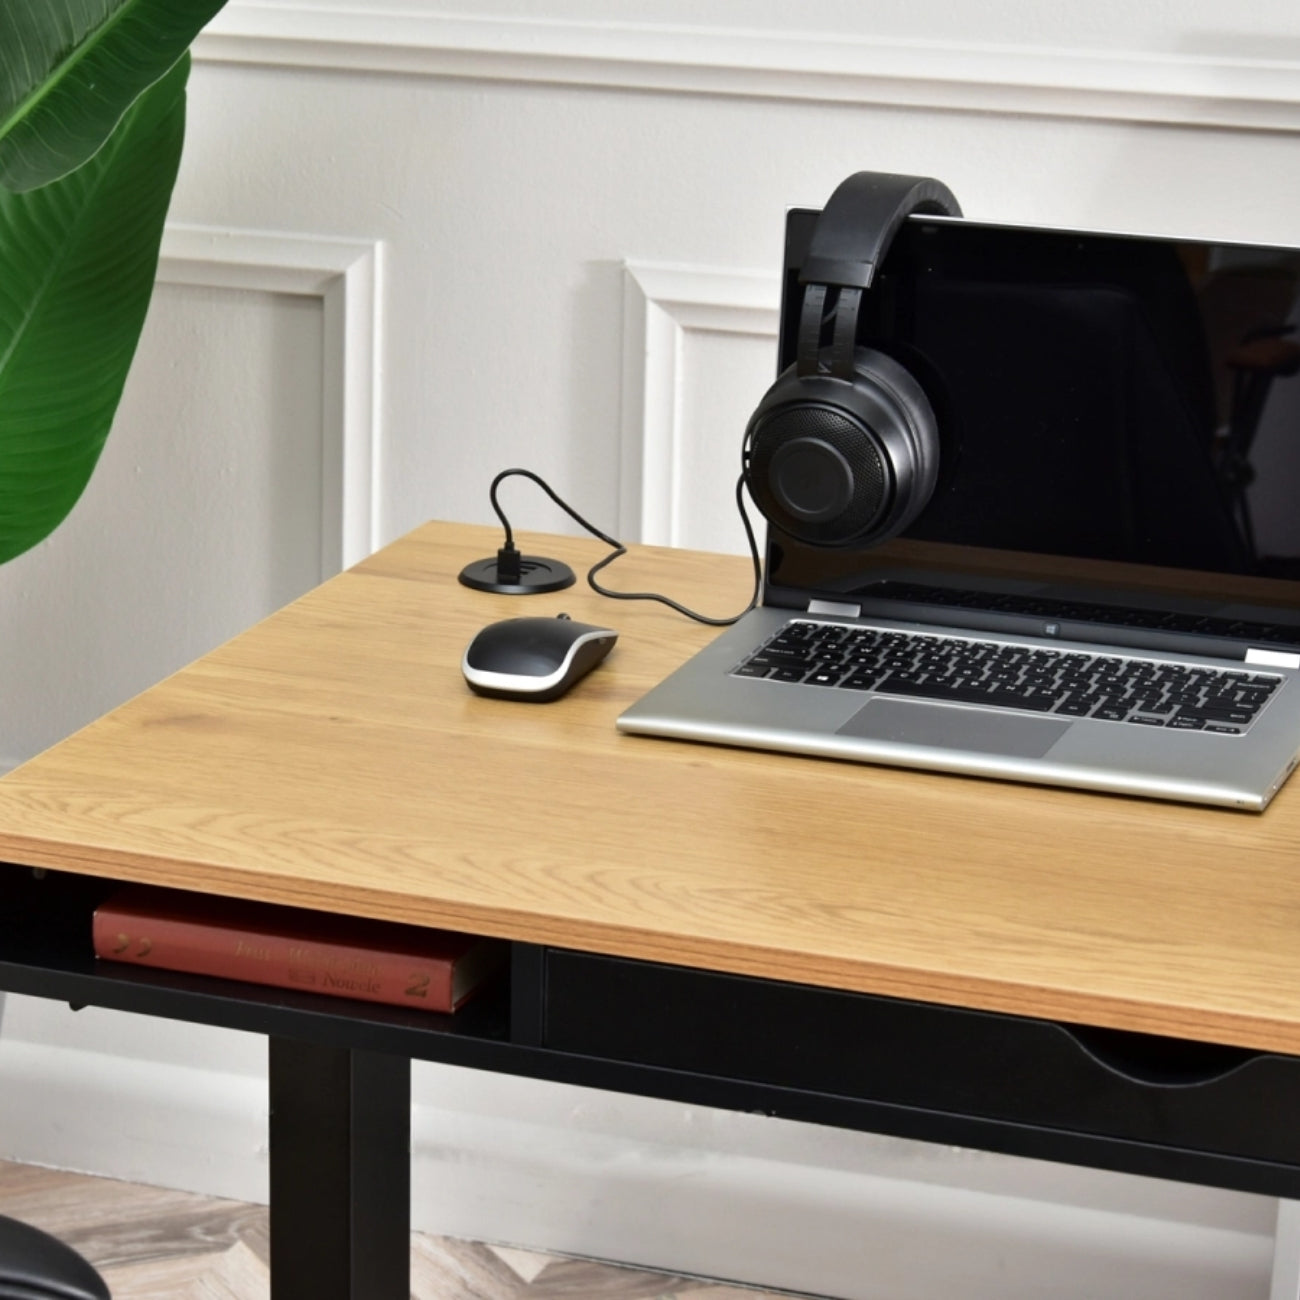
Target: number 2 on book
x,y
418,987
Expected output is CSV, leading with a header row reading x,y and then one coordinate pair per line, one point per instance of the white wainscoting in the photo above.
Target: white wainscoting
x,y
1203,89
346,276
679,458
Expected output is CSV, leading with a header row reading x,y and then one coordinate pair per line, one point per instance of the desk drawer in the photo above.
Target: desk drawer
x,y
1130,1087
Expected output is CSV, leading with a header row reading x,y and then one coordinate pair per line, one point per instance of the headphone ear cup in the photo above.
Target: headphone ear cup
x,y
831,462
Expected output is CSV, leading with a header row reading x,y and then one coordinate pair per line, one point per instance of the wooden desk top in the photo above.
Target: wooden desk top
x,y
332,757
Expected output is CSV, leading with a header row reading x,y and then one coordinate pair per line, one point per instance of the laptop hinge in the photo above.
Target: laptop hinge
x,y
1272,658
834,607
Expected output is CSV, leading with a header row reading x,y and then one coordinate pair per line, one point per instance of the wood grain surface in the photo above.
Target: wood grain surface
x,y
332,757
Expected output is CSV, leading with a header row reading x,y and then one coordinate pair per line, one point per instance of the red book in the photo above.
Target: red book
x,y
290,947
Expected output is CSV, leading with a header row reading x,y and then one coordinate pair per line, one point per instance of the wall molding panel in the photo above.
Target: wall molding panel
x,y
1247,93
345,275
662,307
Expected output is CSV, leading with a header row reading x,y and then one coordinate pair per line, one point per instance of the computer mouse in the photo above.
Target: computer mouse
x,y
535,659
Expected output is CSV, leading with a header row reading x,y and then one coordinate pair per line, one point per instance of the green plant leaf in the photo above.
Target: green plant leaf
x,y
69,70
79,259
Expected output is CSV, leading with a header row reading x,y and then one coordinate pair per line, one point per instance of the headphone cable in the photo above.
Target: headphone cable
x,y
508,556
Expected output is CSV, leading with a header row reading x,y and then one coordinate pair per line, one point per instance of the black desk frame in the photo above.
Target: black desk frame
x,y
339,1074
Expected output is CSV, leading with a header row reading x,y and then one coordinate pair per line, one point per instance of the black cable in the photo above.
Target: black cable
x,y
509,555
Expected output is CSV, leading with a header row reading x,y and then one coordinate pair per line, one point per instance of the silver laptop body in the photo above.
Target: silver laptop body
x,y
704,700
1166,536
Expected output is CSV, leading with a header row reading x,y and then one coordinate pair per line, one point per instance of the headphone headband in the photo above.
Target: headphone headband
x,y
850,239
859,220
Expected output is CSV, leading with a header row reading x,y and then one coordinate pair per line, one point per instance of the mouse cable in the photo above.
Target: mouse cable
x,y
509,553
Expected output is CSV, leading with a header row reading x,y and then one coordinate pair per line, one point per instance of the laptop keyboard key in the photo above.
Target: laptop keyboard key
x,y
1207,713
823,678
1079,708
963,694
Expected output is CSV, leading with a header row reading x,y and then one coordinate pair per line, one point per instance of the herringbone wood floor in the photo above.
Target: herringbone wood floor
x,y
153,1244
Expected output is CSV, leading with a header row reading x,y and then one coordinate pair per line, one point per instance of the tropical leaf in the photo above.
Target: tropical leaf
x,y
77,265
69,70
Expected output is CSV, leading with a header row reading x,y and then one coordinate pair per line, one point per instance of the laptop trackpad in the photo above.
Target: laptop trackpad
x,y
943,726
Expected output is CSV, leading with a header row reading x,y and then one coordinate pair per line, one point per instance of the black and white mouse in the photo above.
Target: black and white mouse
x,y
535,659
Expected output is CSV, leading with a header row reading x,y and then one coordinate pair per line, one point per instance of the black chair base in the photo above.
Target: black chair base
x,y
36,1266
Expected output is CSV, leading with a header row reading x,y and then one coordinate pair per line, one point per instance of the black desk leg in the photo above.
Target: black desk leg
x,y
340,1173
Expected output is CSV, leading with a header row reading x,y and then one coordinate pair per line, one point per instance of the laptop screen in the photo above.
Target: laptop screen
x,y
1119,430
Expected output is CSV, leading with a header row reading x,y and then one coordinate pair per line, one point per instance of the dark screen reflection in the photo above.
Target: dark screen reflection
x,y
1117,415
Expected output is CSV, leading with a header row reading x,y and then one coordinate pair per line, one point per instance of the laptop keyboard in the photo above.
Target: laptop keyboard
x,y
1115,688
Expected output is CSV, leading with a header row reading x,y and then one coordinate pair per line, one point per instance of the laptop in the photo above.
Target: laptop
x,y
1103,590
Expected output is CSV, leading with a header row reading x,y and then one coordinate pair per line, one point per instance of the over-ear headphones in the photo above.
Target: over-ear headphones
x,y
844,447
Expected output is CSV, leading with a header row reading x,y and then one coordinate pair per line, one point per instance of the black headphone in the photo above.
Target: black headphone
x,y
844,446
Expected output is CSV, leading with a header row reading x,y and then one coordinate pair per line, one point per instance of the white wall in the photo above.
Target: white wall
x,y
412,247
